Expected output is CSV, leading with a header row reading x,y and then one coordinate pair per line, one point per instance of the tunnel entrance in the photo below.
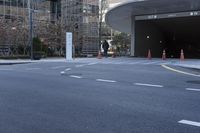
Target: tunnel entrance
x,y
171,34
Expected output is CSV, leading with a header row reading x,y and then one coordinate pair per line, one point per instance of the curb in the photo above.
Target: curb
x,y
189,66
14,63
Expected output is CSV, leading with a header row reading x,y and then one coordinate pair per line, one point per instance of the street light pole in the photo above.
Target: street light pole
x,y
30,28
100,24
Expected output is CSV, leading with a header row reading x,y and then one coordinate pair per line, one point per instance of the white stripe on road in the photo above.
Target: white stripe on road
x,y
178,71
68,69
137,62
57,67
166,63
79,65
152,62
149,85
192,89
74,76
192,123
91,64
104,80
63,72
33,68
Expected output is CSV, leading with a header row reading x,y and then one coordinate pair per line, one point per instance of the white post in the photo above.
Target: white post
x,y
68,46
30,18
133,36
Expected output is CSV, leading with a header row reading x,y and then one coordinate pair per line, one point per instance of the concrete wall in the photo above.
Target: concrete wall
x,y
148,36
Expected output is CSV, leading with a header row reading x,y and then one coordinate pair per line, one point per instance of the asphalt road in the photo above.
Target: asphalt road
x,y
98,97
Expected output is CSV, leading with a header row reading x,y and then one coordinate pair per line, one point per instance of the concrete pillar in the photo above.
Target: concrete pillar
x,y
133,36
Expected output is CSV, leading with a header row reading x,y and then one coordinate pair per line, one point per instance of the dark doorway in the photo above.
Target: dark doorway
x,y
172,34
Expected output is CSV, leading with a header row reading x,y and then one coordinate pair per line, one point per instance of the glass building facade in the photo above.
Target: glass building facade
x,y
51,20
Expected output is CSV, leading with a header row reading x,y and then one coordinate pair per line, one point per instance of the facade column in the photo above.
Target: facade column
x,y
133,36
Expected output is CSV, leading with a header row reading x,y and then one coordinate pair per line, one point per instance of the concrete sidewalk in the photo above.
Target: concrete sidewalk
x,y
13,62
188,63
24,61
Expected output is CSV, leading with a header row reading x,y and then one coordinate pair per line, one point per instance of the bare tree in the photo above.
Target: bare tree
x,y
102,10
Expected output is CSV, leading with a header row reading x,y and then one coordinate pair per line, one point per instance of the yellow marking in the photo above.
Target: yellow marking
x,y
178,71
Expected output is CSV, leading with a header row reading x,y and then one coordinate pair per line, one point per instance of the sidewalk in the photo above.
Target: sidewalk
x,y
25,61
12,62
188,63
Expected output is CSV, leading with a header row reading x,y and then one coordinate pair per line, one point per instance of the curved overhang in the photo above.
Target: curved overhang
x,y
120,17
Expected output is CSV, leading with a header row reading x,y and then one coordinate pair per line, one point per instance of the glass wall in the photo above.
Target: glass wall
x,y
14,26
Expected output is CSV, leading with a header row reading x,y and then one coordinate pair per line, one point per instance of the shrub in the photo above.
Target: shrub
x,y
38,55
15,57
37,44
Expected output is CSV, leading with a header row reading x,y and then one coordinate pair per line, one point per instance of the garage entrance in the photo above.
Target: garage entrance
x,y
171,34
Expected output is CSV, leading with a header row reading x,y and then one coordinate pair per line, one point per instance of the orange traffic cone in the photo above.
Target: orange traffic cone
x,y
99,55
164,55
149,54
182,55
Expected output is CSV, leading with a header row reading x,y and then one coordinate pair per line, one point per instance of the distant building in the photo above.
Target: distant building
x,y
51,20
159,25
14,24
81,18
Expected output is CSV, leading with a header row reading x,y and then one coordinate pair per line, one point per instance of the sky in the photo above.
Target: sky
x,y
113,5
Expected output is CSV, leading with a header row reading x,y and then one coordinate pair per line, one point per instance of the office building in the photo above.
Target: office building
x,y
51,19
159,25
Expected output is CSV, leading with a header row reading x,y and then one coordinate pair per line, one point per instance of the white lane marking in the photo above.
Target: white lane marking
x,y
137,62
149,85
91,64
178,71
104,80
68,69
33,68
58,67
74,76
192,89
153,62
192,123
79,65
6,69
166,63
63,72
